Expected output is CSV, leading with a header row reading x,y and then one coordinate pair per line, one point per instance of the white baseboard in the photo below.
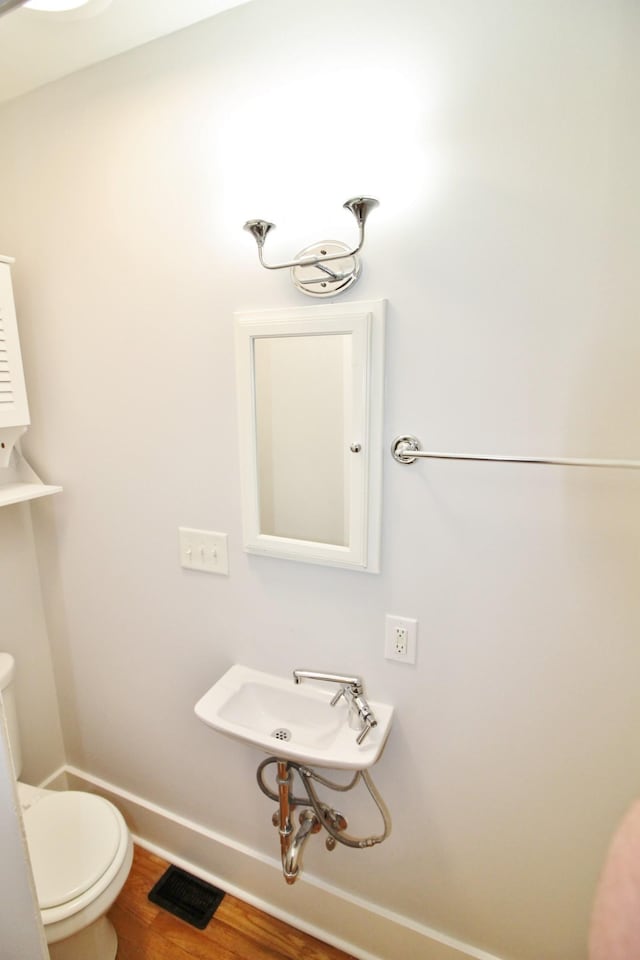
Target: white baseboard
x,y
359,927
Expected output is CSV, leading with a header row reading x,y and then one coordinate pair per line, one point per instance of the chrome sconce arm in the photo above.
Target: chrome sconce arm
x,y
331,281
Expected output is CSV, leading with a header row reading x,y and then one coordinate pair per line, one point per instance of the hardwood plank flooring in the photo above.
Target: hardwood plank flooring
x,y
236,931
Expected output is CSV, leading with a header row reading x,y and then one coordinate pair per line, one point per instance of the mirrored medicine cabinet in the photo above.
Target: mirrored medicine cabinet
x,y
310,394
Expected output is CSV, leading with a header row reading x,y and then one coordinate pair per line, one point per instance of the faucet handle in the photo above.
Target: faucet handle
x,y
358,708
336,696
369,723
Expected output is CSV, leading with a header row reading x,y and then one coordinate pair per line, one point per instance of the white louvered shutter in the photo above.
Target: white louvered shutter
x,y
14,411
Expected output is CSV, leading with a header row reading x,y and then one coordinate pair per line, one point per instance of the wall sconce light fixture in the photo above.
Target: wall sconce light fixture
x,y
309,270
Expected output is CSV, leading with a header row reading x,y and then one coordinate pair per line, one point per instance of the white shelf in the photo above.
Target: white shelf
x,y
19,492
20,482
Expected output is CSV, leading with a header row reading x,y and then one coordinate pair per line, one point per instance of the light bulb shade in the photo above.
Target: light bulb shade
x,y
259,229
361,207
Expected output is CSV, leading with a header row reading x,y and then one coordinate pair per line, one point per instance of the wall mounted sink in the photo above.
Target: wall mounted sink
x,y
291,721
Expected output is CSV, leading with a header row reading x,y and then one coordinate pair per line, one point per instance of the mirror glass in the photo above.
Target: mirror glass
x,y
310,417
303,423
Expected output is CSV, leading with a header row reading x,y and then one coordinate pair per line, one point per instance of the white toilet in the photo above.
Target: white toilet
x,y
80,851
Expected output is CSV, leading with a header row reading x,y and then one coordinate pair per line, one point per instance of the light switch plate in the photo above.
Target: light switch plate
x,y
203,550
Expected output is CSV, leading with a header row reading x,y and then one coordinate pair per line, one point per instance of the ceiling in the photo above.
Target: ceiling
x,y
36,47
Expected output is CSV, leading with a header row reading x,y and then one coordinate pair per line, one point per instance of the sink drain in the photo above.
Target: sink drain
x,y
281,733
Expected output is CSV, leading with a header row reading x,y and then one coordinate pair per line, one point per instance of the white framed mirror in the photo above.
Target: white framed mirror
x,y
310,404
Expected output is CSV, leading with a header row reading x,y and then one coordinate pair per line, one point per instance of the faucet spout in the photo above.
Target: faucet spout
x,y
300,675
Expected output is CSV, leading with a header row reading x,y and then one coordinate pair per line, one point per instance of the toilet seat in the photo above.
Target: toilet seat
x,y
77,843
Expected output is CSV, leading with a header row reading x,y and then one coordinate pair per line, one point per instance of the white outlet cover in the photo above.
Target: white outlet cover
x,y
392,623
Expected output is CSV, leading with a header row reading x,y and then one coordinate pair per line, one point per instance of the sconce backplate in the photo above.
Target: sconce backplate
x,y
326,279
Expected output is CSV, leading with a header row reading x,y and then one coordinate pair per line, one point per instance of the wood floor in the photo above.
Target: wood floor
x,y
235,932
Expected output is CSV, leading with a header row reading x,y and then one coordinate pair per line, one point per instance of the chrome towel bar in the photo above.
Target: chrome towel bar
x,y
407,449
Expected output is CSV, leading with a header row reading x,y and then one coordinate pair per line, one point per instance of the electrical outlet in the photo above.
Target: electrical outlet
x,y
400,639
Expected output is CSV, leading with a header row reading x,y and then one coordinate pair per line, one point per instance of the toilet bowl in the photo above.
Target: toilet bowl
x,y
80,850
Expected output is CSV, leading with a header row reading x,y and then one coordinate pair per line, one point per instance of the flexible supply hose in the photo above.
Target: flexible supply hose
x,y
320,809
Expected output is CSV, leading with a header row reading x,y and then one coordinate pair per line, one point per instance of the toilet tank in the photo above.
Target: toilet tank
x,y
7,671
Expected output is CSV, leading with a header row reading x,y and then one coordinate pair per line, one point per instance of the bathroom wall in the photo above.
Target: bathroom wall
x,y
24,634
501,140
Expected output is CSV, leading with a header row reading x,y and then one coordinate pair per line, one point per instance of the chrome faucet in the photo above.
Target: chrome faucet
x,y
352,689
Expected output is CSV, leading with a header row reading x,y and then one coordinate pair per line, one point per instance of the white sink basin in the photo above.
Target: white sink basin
x,y
291,721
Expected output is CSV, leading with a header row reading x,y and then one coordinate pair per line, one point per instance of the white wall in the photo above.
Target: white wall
x,y
501,140
24,634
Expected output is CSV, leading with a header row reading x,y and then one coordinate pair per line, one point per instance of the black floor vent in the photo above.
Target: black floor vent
x,y
187,897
